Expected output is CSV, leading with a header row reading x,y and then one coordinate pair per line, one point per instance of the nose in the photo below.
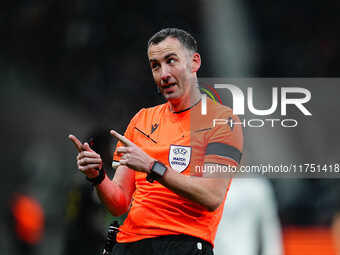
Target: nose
x,y
165,74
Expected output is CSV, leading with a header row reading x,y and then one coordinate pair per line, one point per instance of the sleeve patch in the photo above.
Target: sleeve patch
x,y
224,150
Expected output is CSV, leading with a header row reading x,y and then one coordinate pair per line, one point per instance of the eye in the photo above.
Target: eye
x,y
154,66
171,61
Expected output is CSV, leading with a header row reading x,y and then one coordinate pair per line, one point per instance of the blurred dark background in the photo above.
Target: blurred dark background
x,y
81,67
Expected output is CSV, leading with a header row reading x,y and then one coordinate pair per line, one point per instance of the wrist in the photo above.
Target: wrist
x,y
98,179
157,171
93,174
150,165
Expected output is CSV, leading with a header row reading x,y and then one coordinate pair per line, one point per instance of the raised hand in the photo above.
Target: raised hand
x,y
133,156
88,161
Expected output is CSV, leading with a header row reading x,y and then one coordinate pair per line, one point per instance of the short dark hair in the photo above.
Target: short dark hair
x,y
186,39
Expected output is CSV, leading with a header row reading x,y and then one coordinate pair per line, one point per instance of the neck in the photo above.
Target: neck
x,y
190,99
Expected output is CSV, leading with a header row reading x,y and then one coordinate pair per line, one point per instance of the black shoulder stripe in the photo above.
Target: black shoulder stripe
x,y
224,150
148,136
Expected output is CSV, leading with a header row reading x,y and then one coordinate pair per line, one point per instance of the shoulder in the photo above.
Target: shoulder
x,y
224,126
214,112
154,109
149,112
215,109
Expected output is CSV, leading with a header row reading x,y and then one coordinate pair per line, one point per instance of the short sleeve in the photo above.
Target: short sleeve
x,y
225,142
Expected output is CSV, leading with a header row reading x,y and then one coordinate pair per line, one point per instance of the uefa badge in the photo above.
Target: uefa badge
x,y
179,157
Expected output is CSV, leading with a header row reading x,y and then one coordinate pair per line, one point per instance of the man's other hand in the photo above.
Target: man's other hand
x,y
133,156
88,161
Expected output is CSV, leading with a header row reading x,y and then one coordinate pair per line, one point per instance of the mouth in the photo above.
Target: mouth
x,y
168,88
168,85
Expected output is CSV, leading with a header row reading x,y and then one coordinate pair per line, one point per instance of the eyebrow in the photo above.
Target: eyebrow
x,y
166,57
170,55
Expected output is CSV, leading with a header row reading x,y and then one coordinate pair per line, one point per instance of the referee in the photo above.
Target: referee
x,y
174,207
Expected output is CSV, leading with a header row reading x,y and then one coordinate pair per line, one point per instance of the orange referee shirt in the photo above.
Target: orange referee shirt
x,y
183,141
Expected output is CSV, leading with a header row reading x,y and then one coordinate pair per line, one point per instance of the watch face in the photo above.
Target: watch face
x,y
159,169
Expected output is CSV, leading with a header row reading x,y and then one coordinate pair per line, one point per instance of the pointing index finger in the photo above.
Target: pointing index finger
x,y
76,143
121,138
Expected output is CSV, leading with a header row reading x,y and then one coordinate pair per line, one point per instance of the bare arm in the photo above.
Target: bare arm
x,y
116,194
208,192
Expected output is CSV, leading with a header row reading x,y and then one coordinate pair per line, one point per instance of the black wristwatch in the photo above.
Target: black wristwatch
x,y
97,180
158,169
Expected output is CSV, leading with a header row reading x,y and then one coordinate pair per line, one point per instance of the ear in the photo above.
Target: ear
x,y
196,62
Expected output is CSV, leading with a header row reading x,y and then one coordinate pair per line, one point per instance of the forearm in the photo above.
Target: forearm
x,y
113,197
208,192
116,194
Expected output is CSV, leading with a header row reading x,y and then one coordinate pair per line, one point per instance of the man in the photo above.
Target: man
x,y
174,207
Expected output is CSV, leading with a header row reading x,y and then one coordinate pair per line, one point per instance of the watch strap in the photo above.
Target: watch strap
x,y
97,180
157,171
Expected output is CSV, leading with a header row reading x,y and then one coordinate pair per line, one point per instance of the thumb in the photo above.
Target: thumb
x,y
87,147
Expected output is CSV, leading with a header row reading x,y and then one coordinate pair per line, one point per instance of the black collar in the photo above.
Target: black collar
x,y
188,107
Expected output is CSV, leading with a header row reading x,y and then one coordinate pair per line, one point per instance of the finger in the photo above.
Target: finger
x,y
88,154
87,161
76,143
123,162
87,147
89,167
125,156
122,149
121,138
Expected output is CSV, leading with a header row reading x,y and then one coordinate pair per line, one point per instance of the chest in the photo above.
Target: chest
x,y
172,142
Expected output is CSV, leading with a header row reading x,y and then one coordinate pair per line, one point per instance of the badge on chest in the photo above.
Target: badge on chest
x,y
179,157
